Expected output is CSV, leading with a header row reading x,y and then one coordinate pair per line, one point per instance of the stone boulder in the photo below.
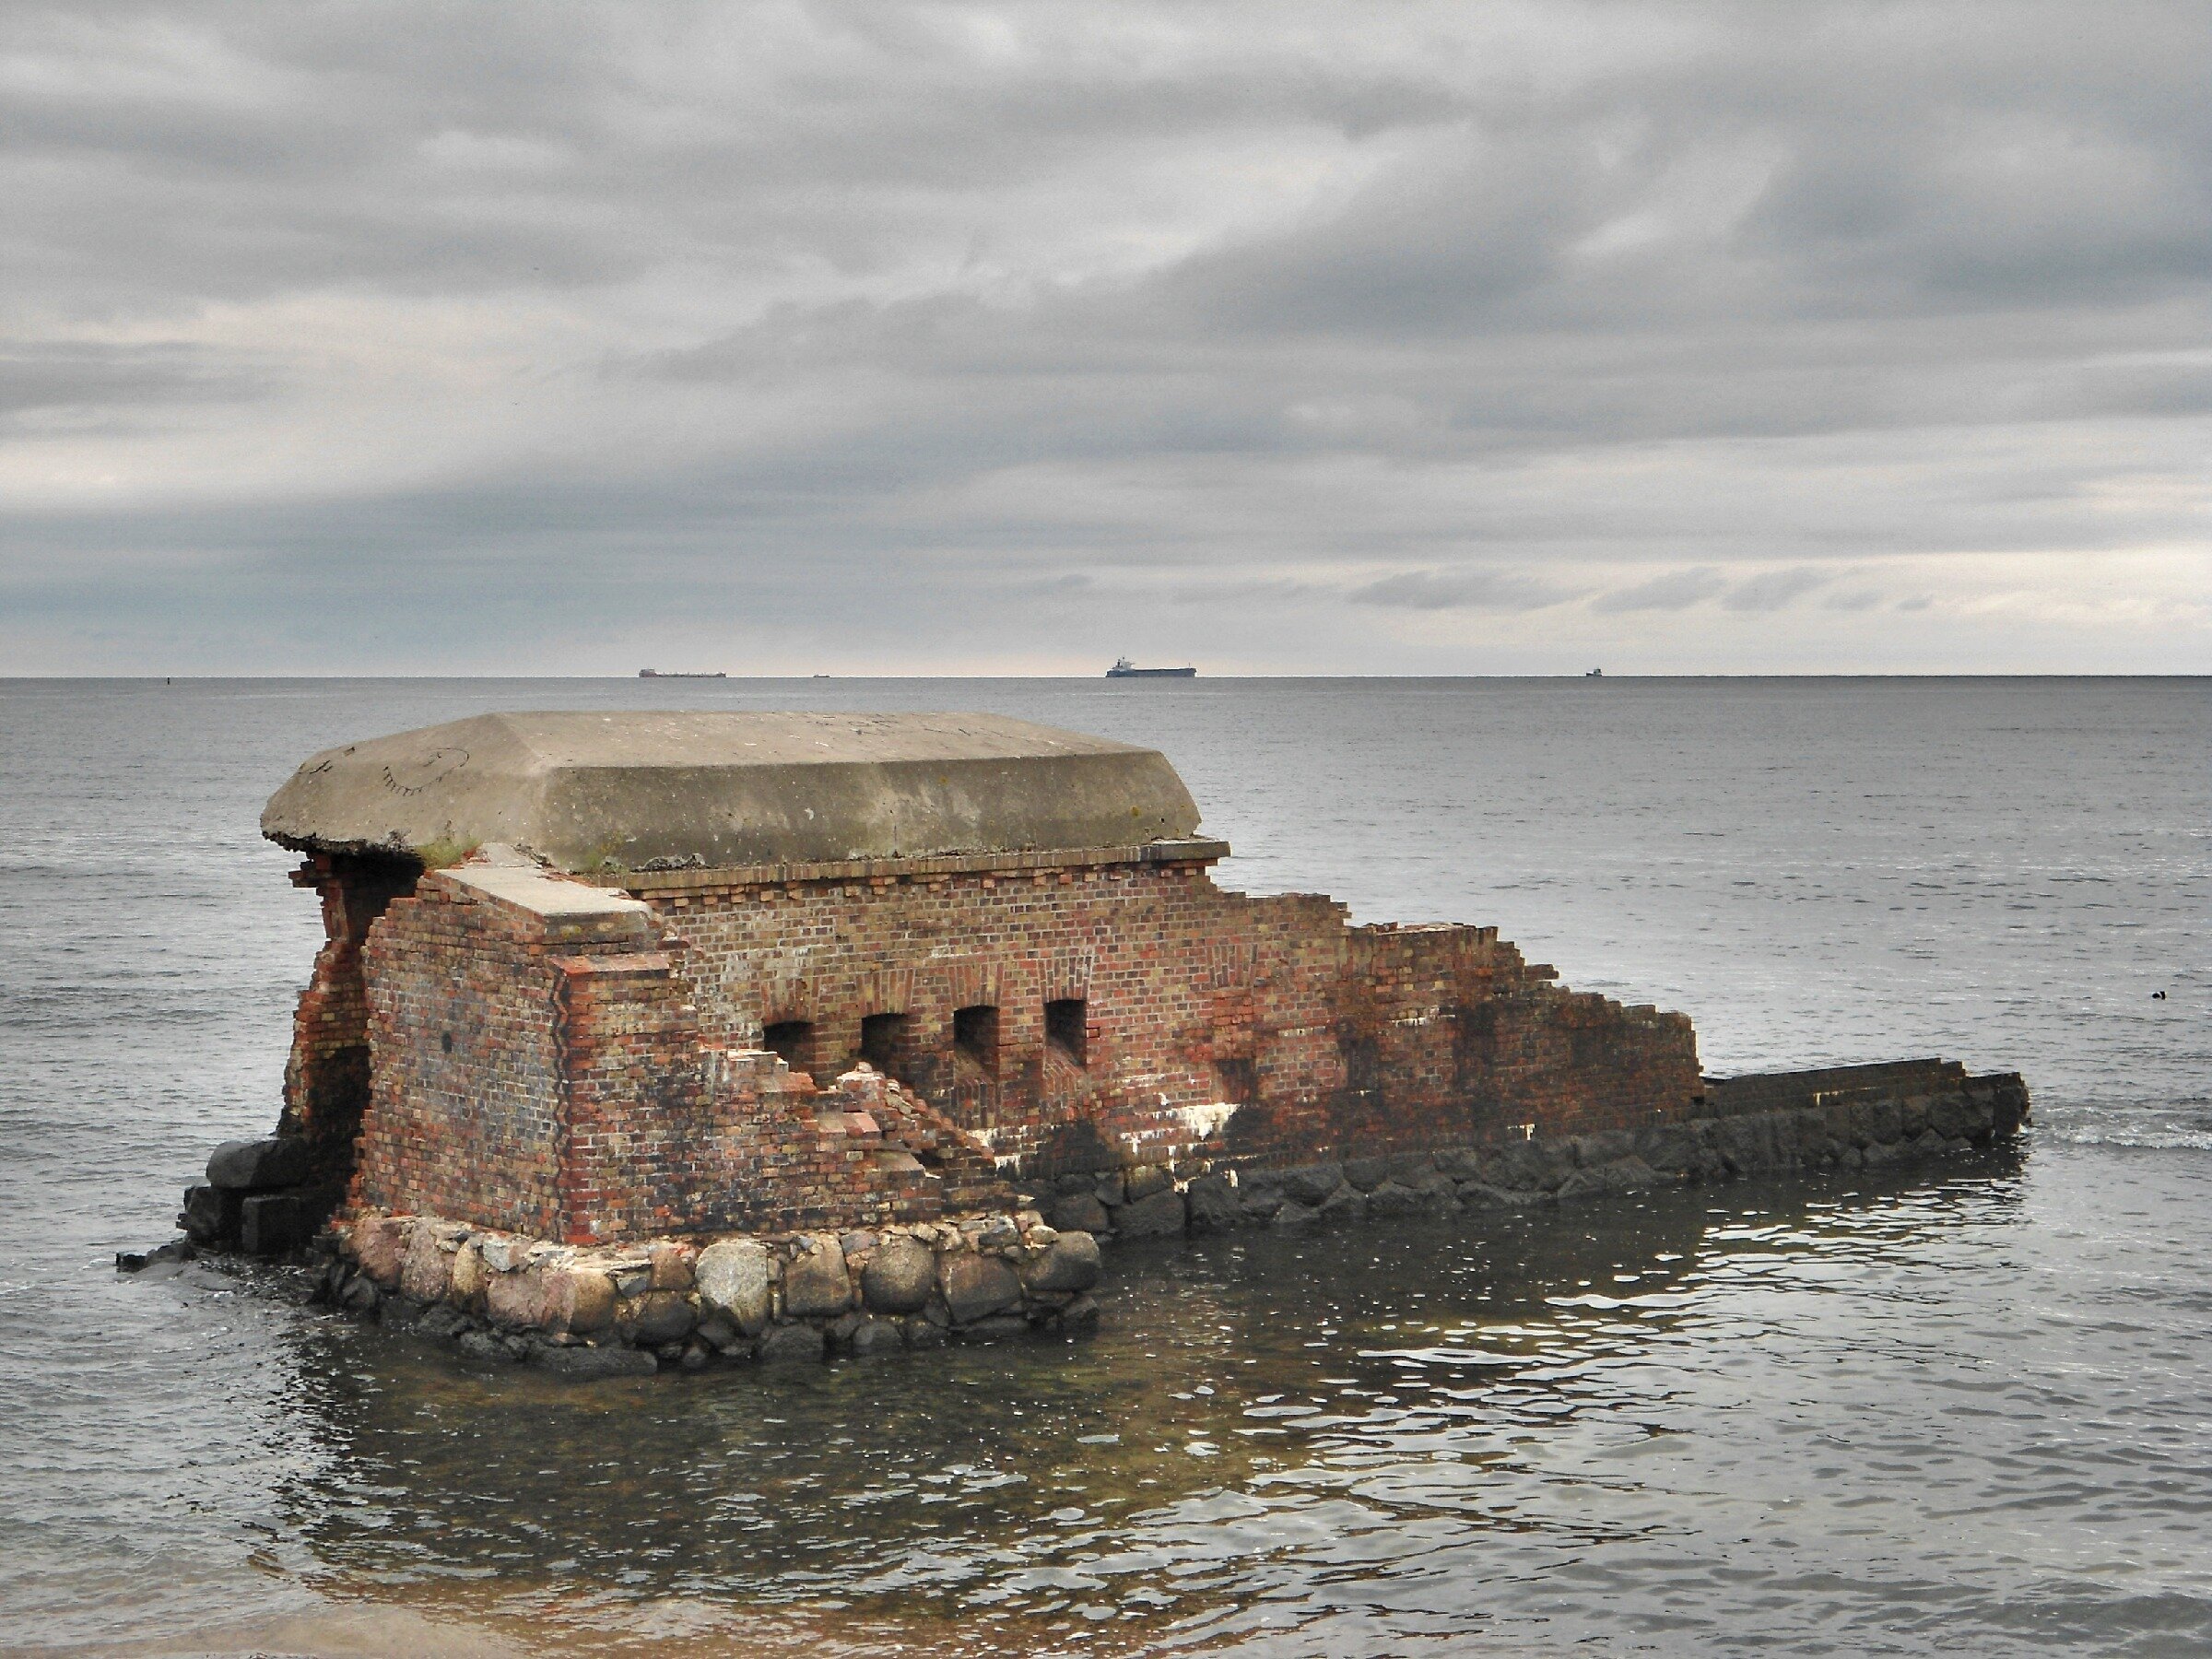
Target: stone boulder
x,y
788,1342
1157,1217
1213,1204
1144,1180
1312,1184
816,1283
660,1316
427,1272
579,1301
1078,1212
735,1276
1071,1264
900,1277
260,1166
272,1223
977,1287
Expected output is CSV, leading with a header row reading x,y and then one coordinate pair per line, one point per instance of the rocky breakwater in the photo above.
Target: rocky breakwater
x,y
1840,1119
680,1304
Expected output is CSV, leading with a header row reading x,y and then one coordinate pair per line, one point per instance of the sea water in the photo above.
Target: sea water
x,y
1964,1412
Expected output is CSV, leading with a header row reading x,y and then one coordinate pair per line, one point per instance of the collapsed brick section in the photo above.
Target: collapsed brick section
x,y
597,1071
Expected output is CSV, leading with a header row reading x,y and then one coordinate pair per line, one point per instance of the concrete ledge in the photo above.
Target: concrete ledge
x,y
1193,850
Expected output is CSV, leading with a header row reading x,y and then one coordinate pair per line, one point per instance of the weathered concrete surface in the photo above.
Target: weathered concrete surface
x,y
625,790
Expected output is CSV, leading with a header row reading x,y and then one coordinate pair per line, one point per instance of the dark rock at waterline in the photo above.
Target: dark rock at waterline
x,y
878,1337
1313,1184
210,1215
1623,1175
663,1316
1070,1263
272,1223
1213,1204
1290,1216
1157,1217
260,1166
1342,1207
486,1347
977,1287
785,1343
1367,1174
585,1363
999,1327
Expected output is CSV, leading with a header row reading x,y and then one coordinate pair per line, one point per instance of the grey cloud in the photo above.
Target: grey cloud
x,y
1676,590
992,315
1771,590
1461,589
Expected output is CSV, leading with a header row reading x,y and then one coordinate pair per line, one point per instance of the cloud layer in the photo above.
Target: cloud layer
x,y
912,337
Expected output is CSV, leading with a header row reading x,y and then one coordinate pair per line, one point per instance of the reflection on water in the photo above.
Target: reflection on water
x,y
1536,1427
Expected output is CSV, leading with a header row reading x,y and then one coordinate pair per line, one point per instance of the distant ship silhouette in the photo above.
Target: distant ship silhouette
x,y
1124,669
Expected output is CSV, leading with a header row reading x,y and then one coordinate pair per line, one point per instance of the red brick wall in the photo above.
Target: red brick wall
x,y
598,1080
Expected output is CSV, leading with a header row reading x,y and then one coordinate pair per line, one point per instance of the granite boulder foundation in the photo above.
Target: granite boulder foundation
x,y
658,1038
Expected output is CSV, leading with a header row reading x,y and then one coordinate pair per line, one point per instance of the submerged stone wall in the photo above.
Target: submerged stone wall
x,y
1840,1119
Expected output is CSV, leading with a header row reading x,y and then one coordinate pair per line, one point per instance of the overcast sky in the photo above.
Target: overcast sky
x,y
1377,337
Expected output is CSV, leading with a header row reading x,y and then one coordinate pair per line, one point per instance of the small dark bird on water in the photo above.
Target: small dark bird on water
x,y
2158,996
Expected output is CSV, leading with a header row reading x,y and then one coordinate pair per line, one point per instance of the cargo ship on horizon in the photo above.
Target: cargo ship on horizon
x,y
1124,669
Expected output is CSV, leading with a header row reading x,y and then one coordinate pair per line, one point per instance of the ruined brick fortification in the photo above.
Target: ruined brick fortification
x,y
604,1074
599,985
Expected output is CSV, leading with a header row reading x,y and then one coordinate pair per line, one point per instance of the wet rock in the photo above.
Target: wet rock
x,y
696,1357
1526,1166
733,1277
1410,1169
441,1323
1366,1175
588,1363
1391,1199
816,1283
272,1223
579,1301
360,1295
1291,1215
1314,1183
785,1343
380,1245
878,1337
1929,1143
210,1215
660,1316
837,1332
1078,1212
1110,1190
900,1277
1213,1204
977,1287
1623,1175
1077,1184
720,1332
1072,1264
1342,1207
999,1327
1608,1146
486,1347
1261,1204
1157,1217
260,1166
1143,1182
922,1333
1463,1163
1082,1314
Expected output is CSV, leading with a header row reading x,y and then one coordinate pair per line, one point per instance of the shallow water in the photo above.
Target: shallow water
x,y
1966,1414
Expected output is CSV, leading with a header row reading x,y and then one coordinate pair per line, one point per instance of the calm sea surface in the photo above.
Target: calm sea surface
x,y
1966,1416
